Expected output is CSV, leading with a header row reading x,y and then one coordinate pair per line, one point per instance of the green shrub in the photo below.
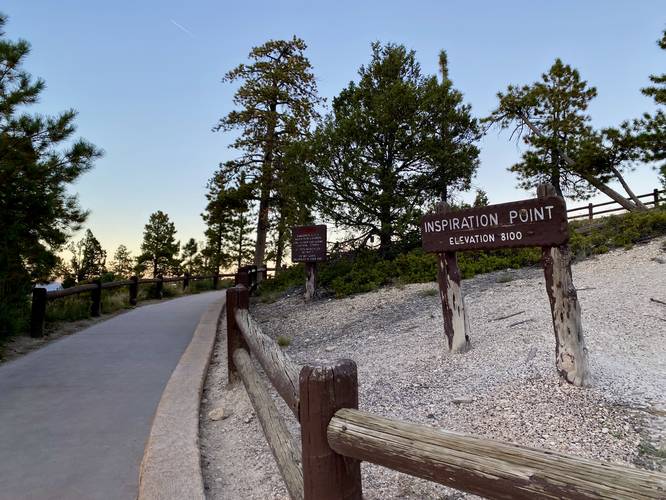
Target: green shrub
x,y
616,231
283,341
71,308
365,270
114,300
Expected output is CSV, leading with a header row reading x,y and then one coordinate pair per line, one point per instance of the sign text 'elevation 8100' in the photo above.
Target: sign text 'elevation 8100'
x,y
535,222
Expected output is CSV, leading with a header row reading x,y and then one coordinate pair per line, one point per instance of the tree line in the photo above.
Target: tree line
x,y
394,142
160,255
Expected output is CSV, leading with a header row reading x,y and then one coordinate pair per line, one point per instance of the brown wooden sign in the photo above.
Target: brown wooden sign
x,y
534,222
308,244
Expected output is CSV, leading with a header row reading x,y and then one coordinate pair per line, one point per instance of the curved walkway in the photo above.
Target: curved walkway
x,y
76,414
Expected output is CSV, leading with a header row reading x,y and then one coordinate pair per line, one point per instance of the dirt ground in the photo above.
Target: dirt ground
x,y
504,388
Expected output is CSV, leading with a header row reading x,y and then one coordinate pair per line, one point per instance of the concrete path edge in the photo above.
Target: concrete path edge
x,y
171,465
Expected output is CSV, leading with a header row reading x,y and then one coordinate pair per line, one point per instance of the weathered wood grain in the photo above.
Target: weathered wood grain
x,y
570,352
324,390
279,368
237,298
310,280
279,439
484,467
456,323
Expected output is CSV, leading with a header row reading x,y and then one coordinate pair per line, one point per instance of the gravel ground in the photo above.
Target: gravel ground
x,y
505,387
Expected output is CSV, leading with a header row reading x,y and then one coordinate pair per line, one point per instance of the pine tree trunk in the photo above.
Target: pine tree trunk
x,y
266,187
279,251
628,190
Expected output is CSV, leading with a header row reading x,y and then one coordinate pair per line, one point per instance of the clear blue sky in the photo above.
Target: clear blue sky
x,y
145,78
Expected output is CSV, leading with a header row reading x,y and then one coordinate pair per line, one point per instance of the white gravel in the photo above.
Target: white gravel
x,y
505,387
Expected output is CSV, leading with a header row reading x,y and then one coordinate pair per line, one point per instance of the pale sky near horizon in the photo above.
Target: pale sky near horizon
x,y
145,79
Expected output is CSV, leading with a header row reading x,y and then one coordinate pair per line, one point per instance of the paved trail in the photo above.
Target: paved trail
x,y
75,415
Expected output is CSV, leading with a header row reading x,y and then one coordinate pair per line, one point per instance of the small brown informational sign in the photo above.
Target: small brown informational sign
x,y
535,222
308,244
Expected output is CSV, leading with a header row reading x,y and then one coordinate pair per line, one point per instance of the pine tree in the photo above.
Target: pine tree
x,y
93,262
394,142
227,220
563,149
123,263
188,254
159,247
276,104
38,161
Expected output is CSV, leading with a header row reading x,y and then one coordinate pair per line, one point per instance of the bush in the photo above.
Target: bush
x,y
365,270
616,231
72,308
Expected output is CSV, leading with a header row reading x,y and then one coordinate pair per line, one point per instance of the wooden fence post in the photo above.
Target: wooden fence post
x,y
590,211
216,280
570,352
96,299
456,324
159,286
655,194
238,297
38,312
133,290
323,391
186,281
242,278
310,280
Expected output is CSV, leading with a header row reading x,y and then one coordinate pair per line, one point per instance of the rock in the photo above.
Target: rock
x,y
604,430
217,414
329,348
248,419
461,401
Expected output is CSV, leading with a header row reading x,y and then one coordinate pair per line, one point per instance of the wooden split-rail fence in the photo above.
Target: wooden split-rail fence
x,y
336,436
248,276
588,211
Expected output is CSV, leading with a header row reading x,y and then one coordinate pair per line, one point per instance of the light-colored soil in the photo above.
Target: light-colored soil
x,y
505,387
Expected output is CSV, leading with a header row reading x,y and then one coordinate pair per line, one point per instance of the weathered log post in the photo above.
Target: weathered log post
x,y
324,390
310,280
133,290
216,280
238,297
570,352
159,286
655,196
186,281
96,299
456,324
38,312
243,278
590,211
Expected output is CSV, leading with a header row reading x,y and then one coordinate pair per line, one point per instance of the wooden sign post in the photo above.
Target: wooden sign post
x,y
308,245
536,222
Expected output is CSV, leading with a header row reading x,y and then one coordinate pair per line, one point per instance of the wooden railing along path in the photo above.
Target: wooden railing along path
x,y
336,436
250,276
589,211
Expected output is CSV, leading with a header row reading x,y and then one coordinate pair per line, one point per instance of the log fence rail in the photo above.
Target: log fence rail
x,y
656,196
336,436
250,275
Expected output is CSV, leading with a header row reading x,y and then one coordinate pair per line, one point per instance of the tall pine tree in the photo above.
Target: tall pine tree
x,y
159,247
39,159
395,141
275,107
